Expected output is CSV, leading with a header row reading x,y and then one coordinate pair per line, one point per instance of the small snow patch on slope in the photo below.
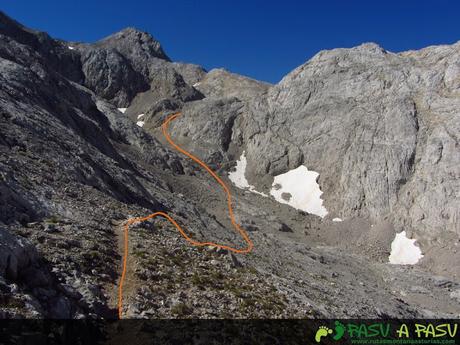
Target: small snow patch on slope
x,y
122,110
298,188
71,48
238,176
404,251
140,123
337,219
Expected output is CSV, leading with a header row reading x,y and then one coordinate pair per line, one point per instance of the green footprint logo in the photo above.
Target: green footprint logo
x,y
339,331
322,331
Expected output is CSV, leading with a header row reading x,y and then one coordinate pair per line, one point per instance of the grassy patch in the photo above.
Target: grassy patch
x,y
11,302
140,254
201,280
177,260
52,219
181,309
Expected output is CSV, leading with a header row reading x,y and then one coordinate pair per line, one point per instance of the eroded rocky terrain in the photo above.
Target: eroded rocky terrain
x,y
381,129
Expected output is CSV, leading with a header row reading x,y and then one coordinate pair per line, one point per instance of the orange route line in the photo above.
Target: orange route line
x,y
193,242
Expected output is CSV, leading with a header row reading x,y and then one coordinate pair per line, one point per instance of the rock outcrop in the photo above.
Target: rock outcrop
x,y
16,255
219,83
168,92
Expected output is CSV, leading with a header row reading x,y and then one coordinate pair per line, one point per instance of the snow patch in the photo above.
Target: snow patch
x,y
139,116
71,48
238,176
298,188
122,110
404,251
337,219
196,84
140,123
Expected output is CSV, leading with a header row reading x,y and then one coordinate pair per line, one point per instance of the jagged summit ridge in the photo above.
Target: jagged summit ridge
x,y
131,41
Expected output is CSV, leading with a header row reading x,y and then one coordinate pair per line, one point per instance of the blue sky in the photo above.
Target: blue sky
x,y
261,39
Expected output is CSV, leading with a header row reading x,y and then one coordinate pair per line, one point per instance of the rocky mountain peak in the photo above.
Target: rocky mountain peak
x,y
133,41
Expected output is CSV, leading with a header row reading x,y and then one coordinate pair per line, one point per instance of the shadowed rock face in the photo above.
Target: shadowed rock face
x,y
380,128
124,82
16,38
130,62
168,92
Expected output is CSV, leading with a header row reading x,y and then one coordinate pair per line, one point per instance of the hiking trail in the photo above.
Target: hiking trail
x,y
193,242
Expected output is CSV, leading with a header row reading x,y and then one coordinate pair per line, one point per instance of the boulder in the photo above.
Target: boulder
x,y
16,254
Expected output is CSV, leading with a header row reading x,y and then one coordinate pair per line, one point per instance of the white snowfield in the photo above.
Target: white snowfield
x,y
71,48
238,176
122,110
337,219
140,123
298,188
404,251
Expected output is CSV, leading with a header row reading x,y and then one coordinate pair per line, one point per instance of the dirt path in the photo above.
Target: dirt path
x,y
124,285
112,289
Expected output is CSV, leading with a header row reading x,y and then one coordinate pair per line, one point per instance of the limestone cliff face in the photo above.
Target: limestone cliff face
x,y
380,128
